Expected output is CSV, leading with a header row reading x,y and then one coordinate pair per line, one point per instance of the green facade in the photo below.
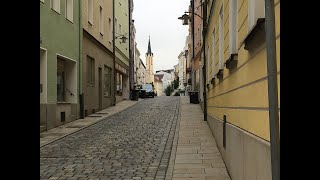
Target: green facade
x,y
122,15
59,36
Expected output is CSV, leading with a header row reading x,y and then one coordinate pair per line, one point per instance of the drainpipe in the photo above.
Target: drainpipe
x,y
114,57
193,82
81,98
204,29
272,89
130,56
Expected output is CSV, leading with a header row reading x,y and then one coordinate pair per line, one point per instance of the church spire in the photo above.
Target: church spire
x,y
149,48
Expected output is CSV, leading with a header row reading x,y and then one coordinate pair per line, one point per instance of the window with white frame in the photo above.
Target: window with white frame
x,y
69,10
213,54
90,12
221,51
233,26
256,10
55,5
101,20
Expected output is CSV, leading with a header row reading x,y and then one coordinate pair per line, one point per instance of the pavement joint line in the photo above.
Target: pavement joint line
x,y
169,172
98,120
168,145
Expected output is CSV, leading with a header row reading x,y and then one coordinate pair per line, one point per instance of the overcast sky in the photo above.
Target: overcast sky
x,y
159,19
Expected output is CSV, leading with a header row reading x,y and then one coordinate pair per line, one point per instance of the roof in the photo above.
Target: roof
x,y
158,77
149,48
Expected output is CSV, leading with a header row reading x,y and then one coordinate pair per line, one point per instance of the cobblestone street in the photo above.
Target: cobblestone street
x,y
133,144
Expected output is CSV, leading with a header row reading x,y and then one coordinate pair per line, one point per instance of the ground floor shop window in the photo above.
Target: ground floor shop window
x,y
107,81
119,84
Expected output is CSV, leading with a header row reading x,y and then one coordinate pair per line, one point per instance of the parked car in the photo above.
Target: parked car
x,y
149,90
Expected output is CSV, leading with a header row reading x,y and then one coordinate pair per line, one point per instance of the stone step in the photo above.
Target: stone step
x,y
42,128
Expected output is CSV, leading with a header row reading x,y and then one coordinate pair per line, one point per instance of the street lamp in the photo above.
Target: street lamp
x,y
185,18
122,37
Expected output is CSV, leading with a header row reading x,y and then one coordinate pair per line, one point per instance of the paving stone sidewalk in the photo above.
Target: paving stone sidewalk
x,y
196,155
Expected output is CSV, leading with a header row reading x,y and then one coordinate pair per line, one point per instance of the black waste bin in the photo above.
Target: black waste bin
x,y
194,97
142,94
135,94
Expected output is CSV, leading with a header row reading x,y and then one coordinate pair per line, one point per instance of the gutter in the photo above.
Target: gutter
x,y
272,89
81,98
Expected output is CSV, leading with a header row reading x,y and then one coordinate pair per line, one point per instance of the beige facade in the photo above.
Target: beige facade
x,y
101,30
97,55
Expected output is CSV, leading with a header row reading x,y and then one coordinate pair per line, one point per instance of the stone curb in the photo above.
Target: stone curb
x,y
169,172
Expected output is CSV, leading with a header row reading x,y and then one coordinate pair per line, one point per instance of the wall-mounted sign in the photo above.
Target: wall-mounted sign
x,y
121,69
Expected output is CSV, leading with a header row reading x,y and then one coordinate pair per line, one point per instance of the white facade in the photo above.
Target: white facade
x,y
162,83
141,75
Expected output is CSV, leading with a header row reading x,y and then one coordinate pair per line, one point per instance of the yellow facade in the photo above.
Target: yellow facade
x,y
241,95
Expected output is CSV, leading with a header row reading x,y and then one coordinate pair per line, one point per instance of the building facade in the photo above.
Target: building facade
x,y
136,64
141,73
237,81
196,62
97,55
121,23
60,52
182,71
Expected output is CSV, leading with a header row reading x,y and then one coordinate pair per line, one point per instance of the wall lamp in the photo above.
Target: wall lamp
x,y
122,37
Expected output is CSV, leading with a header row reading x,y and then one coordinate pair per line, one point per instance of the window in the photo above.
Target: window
x,y
90,12
101,21
69,10
119,84
221,52
61,80
107,81
256,10
90,70
55,5
213,53
116,25
233,26
110,31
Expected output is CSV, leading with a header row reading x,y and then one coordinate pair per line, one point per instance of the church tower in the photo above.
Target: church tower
x,y
149,64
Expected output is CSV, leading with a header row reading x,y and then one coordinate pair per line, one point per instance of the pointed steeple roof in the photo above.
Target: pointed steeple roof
x,y
149,48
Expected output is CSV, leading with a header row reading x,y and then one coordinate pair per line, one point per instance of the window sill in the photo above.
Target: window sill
x,y
56,11
232,61
212,80
220,74
62,102
257,28
69,21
